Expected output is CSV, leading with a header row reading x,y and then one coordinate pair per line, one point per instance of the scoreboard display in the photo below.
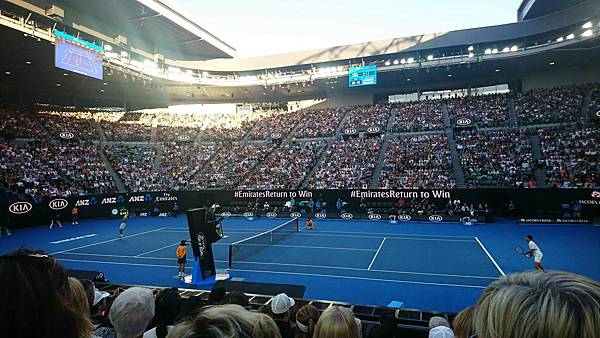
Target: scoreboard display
x,y
77,55
362,76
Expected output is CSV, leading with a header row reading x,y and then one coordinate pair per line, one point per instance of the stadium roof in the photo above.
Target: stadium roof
x,y
530,9
148,25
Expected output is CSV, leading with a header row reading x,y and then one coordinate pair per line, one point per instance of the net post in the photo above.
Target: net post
x,y
297,223
230,255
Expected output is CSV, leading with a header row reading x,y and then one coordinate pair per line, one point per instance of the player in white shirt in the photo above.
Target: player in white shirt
x,y
537,254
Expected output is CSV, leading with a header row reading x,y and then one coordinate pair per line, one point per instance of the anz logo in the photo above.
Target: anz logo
x,y
373,130
346,215
66,135
295,215
226,214
374,216
436,218
58,204
404,217
248,214
463,122
321,215
271,214
18,208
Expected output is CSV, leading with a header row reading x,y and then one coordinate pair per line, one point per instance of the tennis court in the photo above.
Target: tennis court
x,y
423,265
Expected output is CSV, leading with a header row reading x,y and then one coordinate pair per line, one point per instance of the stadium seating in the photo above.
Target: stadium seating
x,y
484,111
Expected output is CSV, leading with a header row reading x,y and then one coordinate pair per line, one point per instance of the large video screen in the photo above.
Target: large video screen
x,y
362,76
77,55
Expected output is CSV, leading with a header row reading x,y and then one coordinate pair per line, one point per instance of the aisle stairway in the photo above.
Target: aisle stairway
x,y
447,122
536,151
112,172
459,175
512,114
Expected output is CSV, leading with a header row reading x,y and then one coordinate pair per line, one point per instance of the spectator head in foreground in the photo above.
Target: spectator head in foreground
x,y
78,298
230,320
280,308
306,320
463,323
441,332
167,308
387,327
235,297
33,291
436,321
535,304
131,312
216,294
337,322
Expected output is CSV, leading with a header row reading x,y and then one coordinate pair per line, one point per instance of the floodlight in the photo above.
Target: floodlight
x,y
505,50
587,33
410,60
570,36
587,25
429,57
488,51
514,48
470,49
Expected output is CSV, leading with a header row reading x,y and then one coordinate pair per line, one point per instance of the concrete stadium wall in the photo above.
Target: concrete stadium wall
x,y
347,98
560,77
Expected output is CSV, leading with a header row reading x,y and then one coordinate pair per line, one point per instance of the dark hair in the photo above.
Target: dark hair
x,y
33,290
216,294
387,327
167,308
235,297
530,237
182,243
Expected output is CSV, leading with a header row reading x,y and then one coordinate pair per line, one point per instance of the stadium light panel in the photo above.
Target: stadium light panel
x,y
387,63
560,39
124,54
587,33
396,62
410,60
449,75
204,73
551,63
587,25
488,51
7,72
58,84
495,51
408,79
514,48
497,70
429,57
107,48
470,49
403,61
471,55
28,62
570,36
505,50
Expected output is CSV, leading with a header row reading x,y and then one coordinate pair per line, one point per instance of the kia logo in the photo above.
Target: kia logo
x,y
226,214
463,122
346,215
374,216
320,215
271,214
66,135
295,215
115,212
435,218
373,129
598,113
58,204
350,131
596,194
404,217
276,135
183,138
20,207
248,214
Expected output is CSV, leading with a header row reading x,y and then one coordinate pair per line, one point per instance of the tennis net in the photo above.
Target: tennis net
x,y
240,250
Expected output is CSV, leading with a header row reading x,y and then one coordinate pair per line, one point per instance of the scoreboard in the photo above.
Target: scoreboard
x,y
362,76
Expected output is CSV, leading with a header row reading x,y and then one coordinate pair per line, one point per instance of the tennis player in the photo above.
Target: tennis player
x,y
310,224
123,224
181,258
536,252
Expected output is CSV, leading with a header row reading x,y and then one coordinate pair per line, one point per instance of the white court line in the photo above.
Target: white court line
x,y
241,231
285,273
490,256
360,278
300,265
151,251
389,237
377,253
107,241
296,246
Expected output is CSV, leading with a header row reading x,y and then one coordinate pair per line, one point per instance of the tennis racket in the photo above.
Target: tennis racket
x,y
521,251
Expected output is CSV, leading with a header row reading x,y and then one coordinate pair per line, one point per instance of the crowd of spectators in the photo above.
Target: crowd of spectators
x,y
67,307
418,116
127,131
570,157
43,169
366,116
18,124
134,164
348,164
418,161
278,122
180,163
231,164
484,111
80,123
496,158
286,167
318,122
558,104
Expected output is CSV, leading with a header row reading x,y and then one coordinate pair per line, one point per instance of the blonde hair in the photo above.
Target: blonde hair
x,y
77,298
337,322
308,316
227,321
536,304
463,323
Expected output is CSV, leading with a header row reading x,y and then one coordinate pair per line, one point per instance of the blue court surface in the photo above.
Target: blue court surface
x,y
429,266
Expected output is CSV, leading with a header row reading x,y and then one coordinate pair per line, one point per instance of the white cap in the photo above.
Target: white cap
x,y
99,295
441,332
132,311
281,303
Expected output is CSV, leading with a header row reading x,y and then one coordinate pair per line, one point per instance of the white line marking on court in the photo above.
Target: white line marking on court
x,y
490,256
296,246
360,278
73,238
121,263
388,236
106,255
377,253
107,241
151,251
